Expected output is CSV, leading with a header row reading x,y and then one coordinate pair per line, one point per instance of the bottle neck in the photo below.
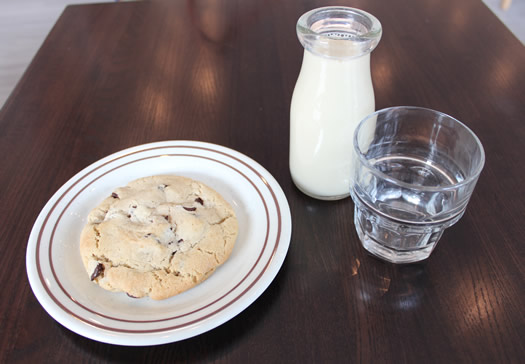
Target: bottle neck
x,y
313,61
339,32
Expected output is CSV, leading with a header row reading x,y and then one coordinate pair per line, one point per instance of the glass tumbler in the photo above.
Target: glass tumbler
x,y
413,173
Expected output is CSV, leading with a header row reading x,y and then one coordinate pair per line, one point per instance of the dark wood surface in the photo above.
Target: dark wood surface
x,y
117,75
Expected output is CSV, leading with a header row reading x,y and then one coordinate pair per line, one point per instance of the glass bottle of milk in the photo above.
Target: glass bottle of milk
x,y
332,94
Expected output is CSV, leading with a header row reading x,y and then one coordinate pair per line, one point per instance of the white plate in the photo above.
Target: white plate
x,y
62,287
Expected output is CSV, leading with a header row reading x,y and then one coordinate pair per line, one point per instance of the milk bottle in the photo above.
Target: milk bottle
x,y
332,94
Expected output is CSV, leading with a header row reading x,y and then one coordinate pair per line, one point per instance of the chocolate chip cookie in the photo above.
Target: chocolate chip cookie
x,y
158,236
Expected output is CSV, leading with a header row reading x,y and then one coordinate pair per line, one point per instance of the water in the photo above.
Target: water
x,y
403,224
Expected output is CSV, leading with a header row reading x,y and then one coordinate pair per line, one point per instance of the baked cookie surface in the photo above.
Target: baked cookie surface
x,y
158,236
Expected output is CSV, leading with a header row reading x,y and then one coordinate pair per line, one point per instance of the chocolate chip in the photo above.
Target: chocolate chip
x,y
134,206
199,200
180,240
114,195
129,216
167,218
99,269
189,208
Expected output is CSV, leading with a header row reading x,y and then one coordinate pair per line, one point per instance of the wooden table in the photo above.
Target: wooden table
x,y
117,75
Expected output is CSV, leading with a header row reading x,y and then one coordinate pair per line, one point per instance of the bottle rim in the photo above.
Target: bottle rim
x,y
320,30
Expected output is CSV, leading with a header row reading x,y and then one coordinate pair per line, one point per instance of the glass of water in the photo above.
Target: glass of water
x,y
413,172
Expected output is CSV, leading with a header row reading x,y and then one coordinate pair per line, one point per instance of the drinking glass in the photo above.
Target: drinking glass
x,y
413,173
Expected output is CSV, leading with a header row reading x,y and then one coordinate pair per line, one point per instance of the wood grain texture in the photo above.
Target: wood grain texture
x,y
111,76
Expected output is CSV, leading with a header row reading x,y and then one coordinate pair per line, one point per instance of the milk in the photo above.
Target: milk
x,y
330,97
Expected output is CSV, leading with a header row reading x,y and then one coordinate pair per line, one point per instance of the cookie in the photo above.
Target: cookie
x,y
157,237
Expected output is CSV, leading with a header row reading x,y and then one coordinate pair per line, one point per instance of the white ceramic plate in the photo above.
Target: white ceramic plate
x,y
62,287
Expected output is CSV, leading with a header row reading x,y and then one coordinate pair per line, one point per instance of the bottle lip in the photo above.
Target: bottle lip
x,y
339,32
